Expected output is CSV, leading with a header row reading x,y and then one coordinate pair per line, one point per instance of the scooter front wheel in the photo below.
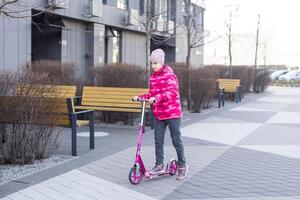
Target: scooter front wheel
x,y
134,177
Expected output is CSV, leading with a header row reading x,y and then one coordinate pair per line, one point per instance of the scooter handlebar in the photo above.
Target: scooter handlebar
x,y
139,99
142,100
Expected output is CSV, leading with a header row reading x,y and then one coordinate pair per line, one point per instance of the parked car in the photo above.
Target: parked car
x,y
276,74
291,76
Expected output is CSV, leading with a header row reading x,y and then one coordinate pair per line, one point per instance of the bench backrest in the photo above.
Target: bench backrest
x,y
52,99
112,97
62,91
229,85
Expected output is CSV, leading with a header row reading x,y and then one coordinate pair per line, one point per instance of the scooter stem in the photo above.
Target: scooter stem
x,y
143,112
138,159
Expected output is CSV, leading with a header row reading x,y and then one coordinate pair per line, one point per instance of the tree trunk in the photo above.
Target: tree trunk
x,y
230,42
230,55
148,29
148,42
188,61
255,87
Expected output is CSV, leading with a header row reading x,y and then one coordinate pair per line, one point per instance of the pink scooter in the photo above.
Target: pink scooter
x,y
139,171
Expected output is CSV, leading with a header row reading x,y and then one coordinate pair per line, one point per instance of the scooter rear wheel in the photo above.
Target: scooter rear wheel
x,y
135,178
173,167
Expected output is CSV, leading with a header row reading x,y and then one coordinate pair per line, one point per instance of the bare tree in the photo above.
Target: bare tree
x,y
148,29
229,34
193,27
194,35
150,18
146,21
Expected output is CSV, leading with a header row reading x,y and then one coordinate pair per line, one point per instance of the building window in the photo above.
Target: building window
x,y
142,7
122,4
163,9
113,45
104,2
153,8
172,10
116,47
198,17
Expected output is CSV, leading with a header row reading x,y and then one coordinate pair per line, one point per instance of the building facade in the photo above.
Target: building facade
x,y
93,32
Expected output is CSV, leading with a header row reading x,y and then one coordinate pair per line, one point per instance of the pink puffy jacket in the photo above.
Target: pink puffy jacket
x,y
164,87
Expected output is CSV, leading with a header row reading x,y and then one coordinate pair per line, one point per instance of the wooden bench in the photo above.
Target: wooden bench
x,y
228,86
112,99
57,101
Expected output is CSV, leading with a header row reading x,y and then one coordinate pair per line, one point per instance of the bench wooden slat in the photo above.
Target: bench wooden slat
x,y
112,104
98,108
96,88
49,90
108,99
43,119
105,96
112,93
79,123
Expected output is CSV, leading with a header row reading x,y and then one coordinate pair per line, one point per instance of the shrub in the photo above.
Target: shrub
x,y
22,105
262,80
246,76
118,75
203,84
55,72
203,87
181,71
244,73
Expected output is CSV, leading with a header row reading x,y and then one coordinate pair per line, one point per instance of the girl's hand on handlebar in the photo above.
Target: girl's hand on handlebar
x,y
152,100
135,98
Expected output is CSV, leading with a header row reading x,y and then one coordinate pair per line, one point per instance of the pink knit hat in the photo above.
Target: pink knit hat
x,y
157,56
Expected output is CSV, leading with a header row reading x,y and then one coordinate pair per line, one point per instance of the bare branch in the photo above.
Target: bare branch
x,y
6,2
14,9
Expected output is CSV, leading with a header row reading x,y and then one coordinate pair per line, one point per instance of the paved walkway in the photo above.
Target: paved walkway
x,y
248,152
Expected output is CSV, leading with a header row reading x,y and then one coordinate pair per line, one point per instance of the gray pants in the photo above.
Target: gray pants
x,y
159,136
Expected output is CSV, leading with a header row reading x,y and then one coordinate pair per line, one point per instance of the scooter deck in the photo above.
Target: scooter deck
x,y
152,175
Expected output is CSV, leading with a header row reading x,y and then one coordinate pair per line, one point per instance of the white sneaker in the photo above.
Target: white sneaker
x,y
182,172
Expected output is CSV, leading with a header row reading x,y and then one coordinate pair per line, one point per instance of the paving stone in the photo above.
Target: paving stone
x,y
217,171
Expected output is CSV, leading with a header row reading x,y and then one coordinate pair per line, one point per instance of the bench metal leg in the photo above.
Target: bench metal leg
x,y
74,134
219,99
223,98
92,130
236,95
240,94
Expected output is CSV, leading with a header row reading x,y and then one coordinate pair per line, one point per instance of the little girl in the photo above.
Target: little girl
x,y
164,95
